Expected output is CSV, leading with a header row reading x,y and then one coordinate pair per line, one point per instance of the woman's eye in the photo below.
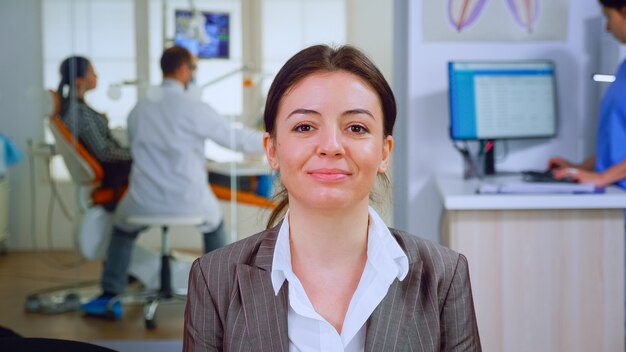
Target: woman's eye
x,y
303,128
357,129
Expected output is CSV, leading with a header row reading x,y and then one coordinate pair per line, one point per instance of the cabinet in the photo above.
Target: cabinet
x,y
547,271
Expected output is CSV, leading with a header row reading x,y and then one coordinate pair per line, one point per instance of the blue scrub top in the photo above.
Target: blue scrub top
x,y
611,144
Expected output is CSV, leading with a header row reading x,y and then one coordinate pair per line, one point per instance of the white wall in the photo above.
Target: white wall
x,y
289,26
21,114
101,30
369,27
429,147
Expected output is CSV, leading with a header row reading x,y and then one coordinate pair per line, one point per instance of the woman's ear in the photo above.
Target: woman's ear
x,y
270,151
386,154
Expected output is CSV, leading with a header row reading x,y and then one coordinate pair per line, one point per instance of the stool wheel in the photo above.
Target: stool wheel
x,y
71,301
33,303
150,324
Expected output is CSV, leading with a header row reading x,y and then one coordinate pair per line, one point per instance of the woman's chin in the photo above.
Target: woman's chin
x,y
333,200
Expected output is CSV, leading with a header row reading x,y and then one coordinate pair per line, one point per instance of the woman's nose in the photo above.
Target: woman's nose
x,y
330,142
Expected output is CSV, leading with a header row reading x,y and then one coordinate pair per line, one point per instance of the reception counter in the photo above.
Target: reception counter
x,y
547,270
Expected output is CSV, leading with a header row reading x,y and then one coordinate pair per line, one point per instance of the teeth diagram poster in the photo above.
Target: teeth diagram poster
x,y
494,20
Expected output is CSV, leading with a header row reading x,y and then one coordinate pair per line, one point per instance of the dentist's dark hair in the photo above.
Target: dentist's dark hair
x,y
173,58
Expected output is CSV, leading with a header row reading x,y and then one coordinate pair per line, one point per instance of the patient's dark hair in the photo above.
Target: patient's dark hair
x,y
323,58
71,68
615,4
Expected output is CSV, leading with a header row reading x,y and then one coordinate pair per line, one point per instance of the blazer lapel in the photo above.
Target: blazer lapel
x,y
388,326
265,313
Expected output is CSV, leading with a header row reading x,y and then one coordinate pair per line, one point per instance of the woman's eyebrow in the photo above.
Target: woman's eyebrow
x,y
303,112
347,112
358,112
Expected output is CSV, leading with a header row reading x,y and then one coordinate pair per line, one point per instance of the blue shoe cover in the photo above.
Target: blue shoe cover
x,y
101,307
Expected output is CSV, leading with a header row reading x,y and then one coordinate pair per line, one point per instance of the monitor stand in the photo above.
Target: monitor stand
x,y
489,156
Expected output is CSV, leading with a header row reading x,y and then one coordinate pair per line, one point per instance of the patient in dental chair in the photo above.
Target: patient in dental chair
x,y
91,127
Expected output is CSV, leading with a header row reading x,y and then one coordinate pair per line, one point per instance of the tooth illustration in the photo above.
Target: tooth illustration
x,y
525,12
462,13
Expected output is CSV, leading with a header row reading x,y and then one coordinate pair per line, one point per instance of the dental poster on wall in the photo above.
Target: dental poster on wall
x,y
494,20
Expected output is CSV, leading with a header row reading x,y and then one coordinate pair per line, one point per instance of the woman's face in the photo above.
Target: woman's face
x,y
616,22
329,144
90,80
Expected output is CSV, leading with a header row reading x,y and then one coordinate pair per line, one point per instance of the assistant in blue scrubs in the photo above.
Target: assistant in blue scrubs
x,y
611,144
608,165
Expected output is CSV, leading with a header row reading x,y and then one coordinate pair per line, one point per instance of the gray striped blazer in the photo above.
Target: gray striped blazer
x,y
232,307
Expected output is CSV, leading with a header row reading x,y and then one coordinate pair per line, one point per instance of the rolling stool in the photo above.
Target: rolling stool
x,y
165,291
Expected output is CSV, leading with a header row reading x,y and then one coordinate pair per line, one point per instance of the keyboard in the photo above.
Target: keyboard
x,y
543,176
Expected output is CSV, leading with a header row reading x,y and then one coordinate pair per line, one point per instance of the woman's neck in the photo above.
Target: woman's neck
x,y
329,236
80,94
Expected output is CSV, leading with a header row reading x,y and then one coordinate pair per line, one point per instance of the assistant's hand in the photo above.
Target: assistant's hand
x,y
557,163
579,175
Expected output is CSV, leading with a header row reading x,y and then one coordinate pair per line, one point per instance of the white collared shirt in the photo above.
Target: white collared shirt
x,y
309,331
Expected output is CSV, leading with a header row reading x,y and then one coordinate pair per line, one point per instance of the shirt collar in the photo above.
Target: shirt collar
x,y
281,263
172,83
383,252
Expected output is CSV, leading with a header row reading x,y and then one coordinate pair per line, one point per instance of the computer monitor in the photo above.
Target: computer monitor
x,y
492,100
495,100
204,34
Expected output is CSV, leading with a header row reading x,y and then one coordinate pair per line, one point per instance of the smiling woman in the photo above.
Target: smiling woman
x,y
332,143
330,275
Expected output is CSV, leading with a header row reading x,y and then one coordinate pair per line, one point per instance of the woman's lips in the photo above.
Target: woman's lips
x,y
329,174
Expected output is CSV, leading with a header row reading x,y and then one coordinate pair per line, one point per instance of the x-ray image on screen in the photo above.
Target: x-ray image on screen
x,y
205,34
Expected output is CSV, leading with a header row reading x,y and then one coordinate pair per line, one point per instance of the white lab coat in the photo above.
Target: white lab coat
x,y
167,129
